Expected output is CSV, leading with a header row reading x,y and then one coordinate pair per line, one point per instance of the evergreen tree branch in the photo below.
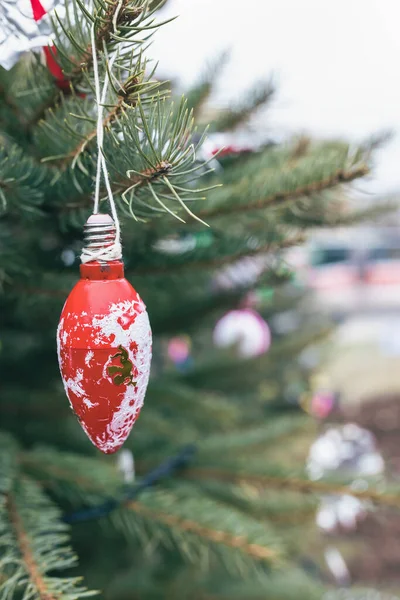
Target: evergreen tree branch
x,y
234,542
20,180
26,553
50,102
77,117
116,22
8,465
33,545
197,95
6,100
61,473
150,177
219,261
104,32
241,113
151,511
279,198
295,484
139,180
72,156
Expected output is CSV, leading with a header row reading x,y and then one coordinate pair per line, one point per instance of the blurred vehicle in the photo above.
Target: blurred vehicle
x,y
353,270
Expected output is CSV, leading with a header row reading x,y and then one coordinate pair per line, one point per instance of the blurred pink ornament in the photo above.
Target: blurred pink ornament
x,y
244,328
322,403
179,349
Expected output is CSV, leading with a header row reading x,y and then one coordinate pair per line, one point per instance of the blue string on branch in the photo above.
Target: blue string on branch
x,y
165,469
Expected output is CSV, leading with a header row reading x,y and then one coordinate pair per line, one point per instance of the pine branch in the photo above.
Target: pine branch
x,y
277,199
88,478
103,34
116,23
13,107
139,180
219,261
77,117
150,177
241,113
28,558
235,542
196,524
198,95
50,102
294,484
58,473
33,545
107,121
152,509
21,180
249,438
8,465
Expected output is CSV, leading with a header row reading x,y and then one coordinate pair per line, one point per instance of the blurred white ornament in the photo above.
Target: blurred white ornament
x,y
244,328
68,257
358,594
24,25
350,449
126,465
326,518
310,357
241,274
337,566
222,144
340,511
175,246
286,322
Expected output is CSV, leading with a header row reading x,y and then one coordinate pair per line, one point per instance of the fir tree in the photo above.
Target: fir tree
x,y
213,512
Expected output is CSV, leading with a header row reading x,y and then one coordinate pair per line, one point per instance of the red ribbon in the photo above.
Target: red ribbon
x,y
55,69
38,10
50,51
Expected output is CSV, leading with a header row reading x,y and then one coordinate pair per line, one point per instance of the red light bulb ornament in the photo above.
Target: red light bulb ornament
x,y
104,342
104,336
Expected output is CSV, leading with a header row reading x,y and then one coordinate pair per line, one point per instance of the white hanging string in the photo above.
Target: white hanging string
x,y
114,251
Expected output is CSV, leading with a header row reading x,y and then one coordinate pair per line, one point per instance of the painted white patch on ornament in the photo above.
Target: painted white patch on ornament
x,y
58,337
75,384
88,358
116,324
89,404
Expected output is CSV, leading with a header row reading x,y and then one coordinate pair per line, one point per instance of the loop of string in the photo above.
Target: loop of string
x,y
113,251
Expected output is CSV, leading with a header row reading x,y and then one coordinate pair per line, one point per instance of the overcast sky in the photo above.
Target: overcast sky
x,y
337,64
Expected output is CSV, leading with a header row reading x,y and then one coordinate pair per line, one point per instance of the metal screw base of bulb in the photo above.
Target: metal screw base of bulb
x,y
99,232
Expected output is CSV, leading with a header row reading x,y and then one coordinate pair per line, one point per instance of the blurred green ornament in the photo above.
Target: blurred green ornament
x,y
265,294
204,239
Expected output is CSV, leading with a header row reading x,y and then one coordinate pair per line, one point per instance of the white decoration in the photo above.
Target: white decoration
x,y
246,329
349,448
19,32
344,511
337,566
126,464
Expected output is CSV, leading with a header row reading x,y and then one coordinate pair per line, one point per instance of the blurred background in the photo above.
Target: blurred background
x,y
334,69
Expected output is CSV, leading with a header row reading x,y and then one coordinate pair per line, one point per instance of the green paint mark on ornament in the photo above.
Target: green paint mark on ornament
x,y
120,374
